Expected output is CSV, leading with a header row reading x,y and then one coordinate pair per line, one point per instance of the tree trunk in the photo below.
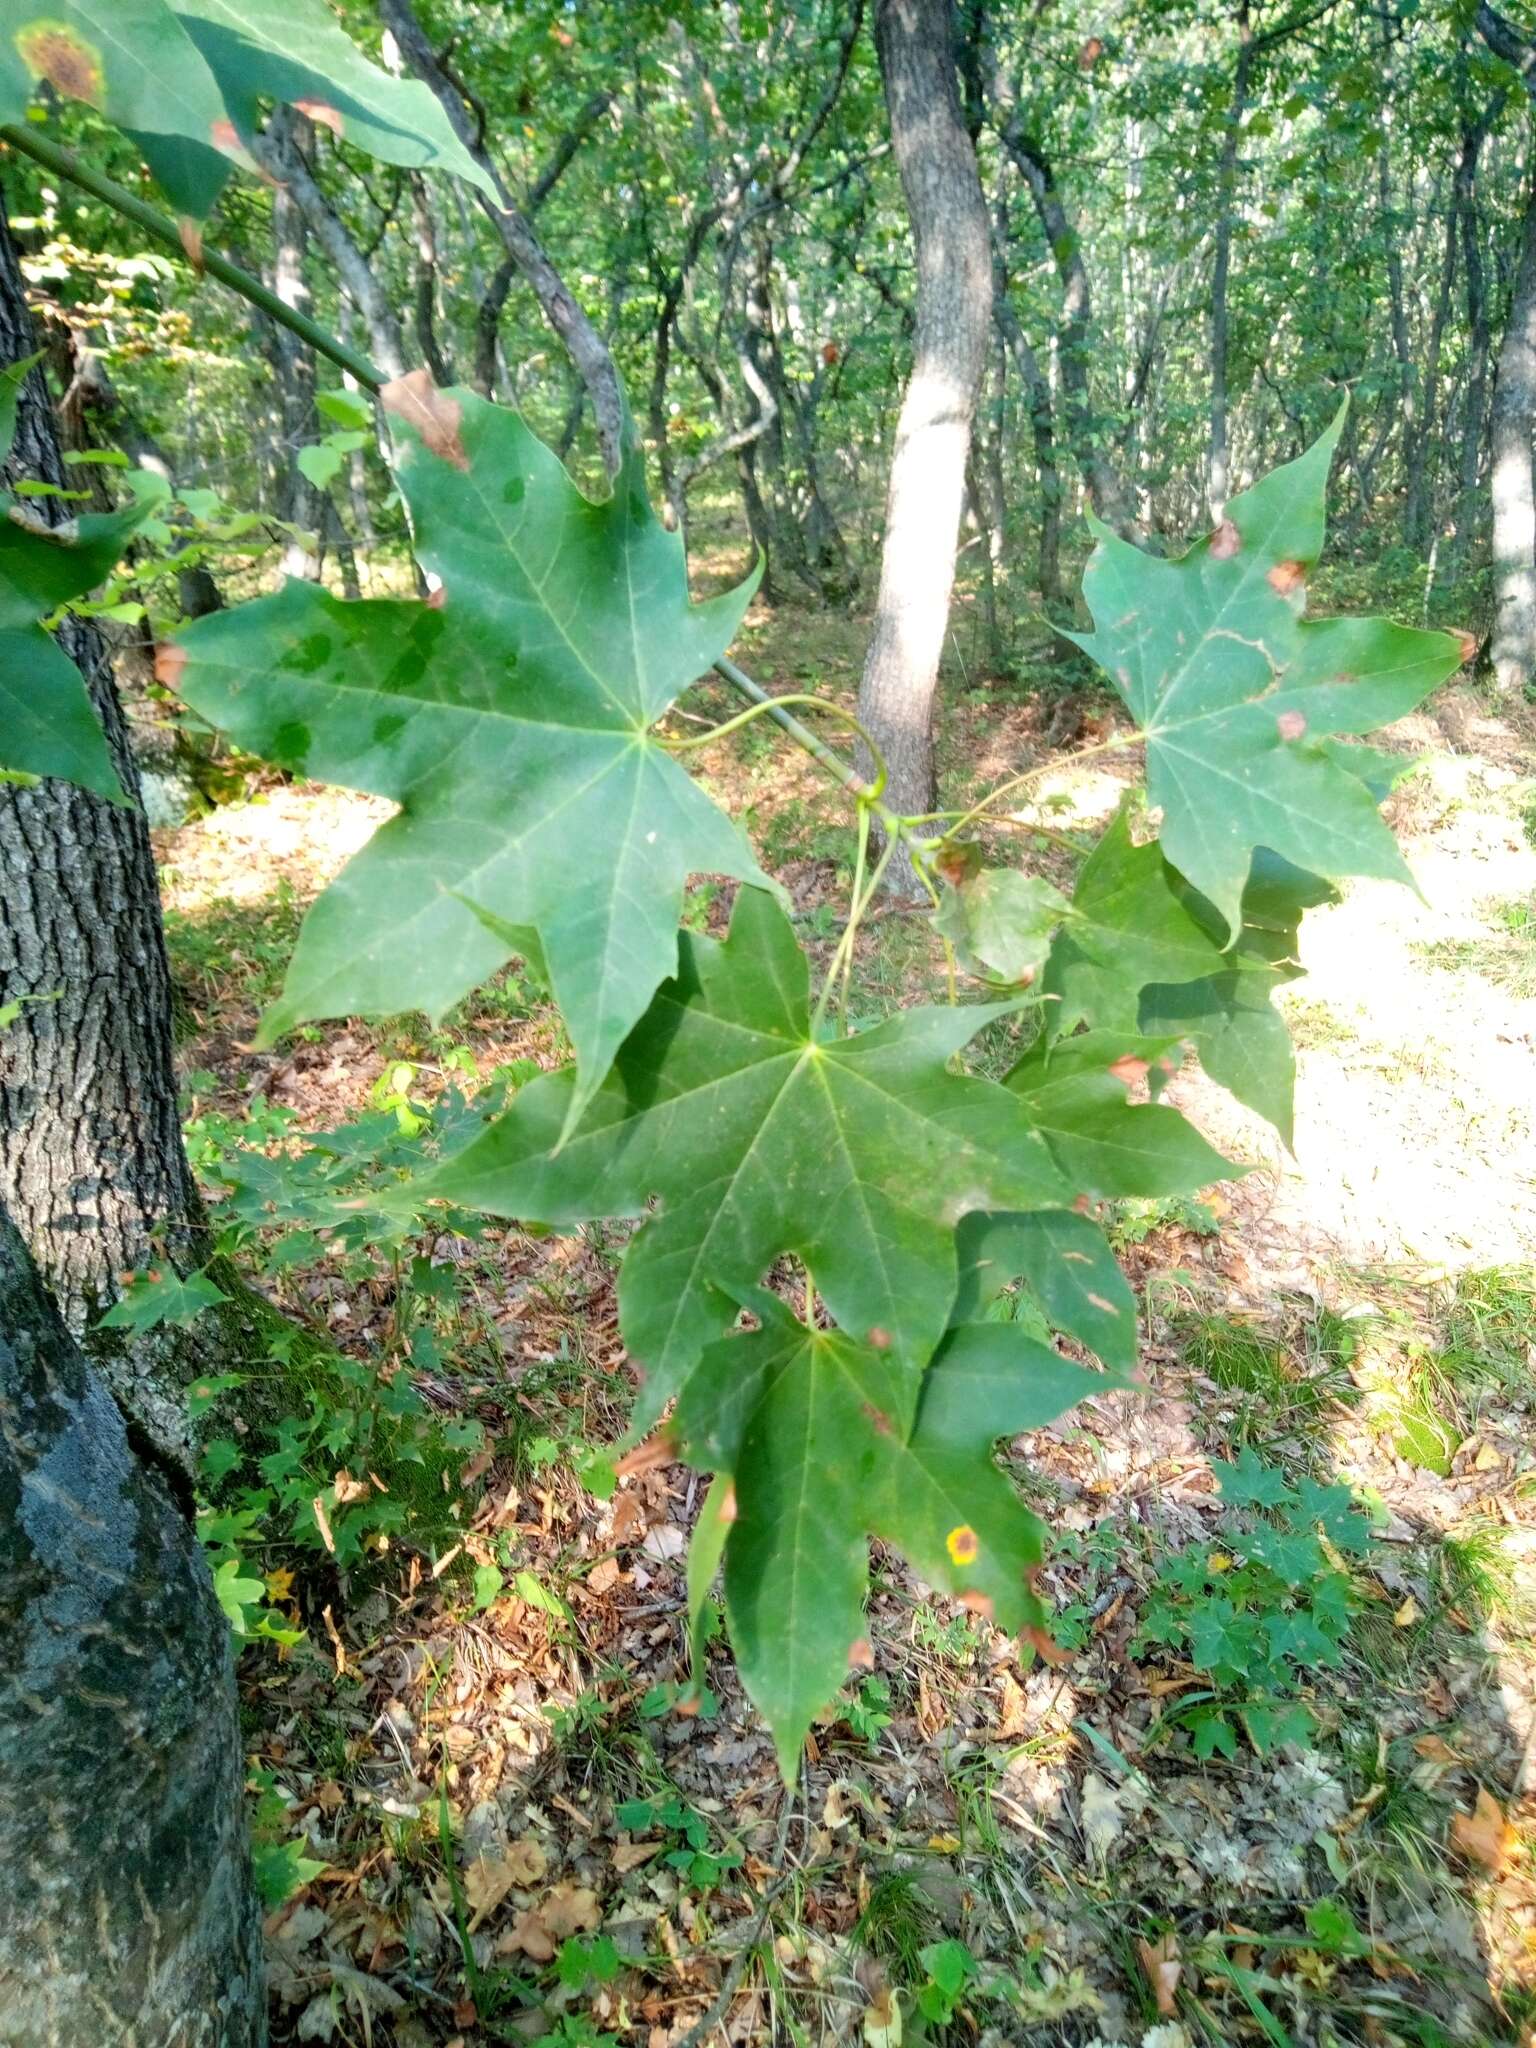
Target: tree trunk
x,y
954,314
1514,498
92,1170
299,501
127,1910
1218,476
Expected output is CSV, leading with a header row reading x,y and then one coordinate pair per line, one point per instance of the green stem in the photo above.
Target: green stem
x,y
64,164
767,704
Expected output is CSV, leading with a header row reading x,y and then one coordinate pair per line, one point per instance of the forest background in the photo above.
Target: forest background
x,y
1204,226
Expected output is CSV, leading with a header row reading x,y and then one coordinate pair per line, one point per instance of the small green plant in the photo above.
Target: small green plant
x,y
1271,1601
868,1711
690,1854
277,1859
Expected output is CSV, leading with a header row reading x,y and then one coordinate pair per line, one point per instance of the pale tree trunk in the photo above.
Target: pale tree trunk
x,y
92,1169
1218,476
294,360
954,312
127,1911
1514,500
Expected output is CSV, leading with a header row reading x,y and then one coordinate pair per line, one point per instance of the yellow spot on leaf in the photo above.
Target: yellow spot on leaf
x,y
52,50
962,1544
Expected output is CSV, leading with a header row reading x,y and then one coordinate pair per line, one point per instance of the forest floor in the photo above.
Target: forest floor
x,y
514,1834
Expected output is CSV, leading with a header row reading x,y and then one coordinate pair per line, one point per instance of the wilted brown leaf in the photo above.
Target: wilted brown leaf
x,y
1164,1966
488,1879
1484,1835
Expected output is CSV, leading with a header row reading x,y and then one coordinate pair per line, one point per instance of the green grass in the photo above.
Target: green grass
x,y
233,952
1506,957
1277,1395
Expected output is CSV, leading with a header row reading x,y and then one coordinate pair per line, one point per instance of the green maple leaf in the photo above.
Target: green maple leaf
x,y
512,723
1238,697
1077,1092
1066,1261
1251,1483
858,1156
806,1421
48,725
185,78
1144,951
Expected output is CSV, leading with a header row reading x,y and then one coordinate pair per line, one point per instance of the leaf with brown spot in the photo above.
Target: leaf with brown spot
x,y
436,417
1217,654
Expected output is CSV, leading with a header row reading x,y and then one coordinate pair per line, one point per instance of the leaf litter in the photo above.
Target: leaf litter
x,y
1044,1817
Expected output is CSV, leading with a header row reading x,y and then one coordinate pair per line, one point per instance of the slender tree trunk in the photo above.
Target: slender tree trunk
x,y
1514,489
586,347
92,1170
954,312
127,1911
1219,465
1479,347
299,502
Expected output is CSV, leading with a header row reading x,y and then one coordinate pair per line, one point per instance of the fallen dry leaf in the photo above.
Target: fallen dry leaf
x,y
1013,1711
1484,1835
488,1879
527,1936
1434,1750
1164,1966
630,1855
571,1909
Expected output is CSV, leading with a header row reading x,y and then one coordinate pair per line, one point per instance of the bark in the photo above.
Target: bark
x,y
1479,344
1514,489
1219,460
1042,427
127,1911
92,1170
952,241
427,339
1076,340
585,346
299,501
279,154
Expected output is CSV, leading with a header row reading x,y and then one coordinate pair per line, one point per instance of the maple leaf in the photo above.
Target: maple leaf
x,y
185,78
1239,698
1143,951
1077,1092
512,724
47,723
858,1156
1067,1263
807,1421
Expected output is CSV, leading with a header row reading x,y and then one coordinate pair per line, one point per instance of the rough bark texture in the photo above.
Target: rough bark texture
x,y
127,1912
950,232
1514,499
91,1161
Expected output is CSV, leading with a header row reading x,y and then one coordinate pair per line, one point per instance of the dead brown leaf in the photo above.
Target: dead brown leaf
x,y
1484,1835
488,1879
571,1909
630,1855
1164,1967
